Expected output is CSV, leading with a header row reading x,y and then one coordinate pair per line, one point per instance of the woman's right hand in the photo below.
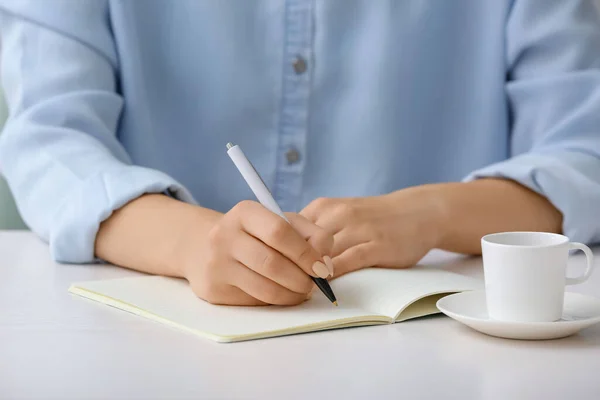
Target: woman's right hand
x,y
252,256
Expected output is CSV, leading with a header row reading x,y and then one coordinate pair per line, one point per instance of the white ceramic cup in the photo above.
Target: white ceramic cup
x,y
525,274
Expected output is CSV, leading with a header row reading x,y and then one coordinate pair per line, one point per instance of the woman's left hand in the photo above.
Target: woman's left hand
x,y
394,230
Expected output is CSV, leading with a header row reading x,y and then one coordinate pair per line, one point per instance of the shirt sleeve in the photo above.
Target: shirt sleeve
x,y
553,89
59,151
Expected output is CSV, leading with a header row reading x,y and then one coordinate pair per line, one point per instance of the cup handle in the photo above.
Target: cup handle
x,y
590,263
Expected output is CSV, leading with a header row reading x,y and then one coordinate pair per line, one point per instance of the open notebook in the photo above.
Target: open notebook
x,y
367,297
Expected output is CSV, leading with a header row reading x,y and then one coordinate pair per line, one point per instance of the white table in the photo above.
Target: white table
x,y
56,345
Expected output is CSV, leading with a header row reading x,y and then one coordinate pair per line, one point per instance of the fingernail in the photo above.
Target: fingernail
x,y
329,264
320,269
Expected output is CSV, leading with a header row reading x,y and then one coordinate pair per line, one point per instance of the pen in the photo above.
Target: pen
x,y
262,193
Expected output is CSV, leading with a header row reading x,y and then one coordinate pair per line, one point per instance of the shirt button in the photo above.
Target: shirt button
x,y
292,156
299,65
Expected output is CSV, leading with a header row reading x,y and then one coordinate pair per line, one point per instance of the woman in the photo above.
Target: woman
x,y
386,129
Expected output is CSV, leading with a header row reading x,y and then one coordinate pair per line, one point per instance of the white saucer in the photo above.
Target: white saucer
x,y
469,308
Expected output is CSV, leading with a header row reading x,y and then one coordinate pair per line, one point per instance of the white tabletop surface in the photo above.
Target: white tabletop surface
x,y
56,345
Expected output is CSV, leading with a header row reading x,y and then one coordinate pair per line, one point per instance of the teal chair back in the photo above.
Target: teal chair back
x,y
9,215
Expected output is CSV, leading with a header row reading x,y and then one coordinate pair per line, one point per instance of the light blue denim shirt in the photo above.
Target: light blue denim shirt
x,y
110,99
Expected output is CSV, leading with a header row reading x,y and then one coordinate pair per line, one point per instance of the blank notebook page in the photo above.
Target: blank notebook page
x,y
386,291
173,300
375,293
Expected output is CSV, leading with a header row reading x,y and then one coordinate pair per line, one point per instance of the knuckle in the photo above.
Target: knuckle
x,y
344,210
277,230
321,202
270,263
306,255
243,207
215,234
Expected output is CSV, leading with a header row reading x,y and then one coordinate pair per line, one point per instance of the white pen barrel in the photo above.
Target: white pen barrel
x,y
256,184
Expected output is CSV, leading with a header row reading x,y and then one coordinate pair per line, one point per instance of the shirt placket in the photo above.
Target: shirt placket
x,y
298,59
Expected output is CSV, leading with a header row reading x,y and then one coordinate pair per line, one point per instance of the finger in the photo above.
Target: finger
x,y
277,233
328,213
271,264
314,208
221,292
318,207
228,295
237,297
317,237
346,239
357,257
264,289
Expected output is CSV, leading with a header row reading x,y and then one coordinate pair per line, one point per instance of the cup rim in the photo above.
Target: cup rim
x,y
486,239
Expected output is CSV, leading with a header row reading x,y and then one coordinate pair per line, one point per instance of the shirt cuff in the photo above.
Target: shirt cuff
x,y
75,225
569,180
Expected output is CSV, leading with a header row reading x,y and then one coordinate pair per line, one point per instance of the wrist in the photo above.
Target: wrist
x,y
441,212
437,219
466,211
429,204
154,234
191,239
